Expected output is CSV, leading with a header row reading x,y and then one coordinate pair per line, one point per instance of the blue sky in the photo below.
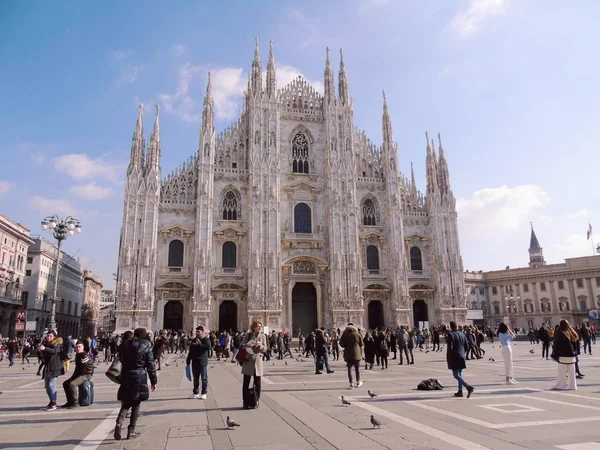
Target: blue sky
x,y
512,86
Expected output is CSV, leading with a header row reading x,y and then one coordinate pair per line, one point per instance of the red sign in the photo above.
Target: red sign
x,y
20,315
20,325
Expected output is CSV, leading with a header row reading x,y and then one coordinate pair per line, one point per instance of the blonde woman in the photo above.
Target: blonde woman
x,y
255,344
564,354
505,335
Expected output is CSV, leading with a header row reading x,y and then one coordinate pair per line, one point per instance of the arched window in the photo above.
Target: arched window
x,y
369,212
300,154
229,255
372,258
302,219
416,263
473,305
176,253
230,206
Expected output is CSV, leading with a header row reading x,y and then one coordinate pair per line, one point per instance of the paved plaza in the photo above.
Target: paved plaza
x,y
301,410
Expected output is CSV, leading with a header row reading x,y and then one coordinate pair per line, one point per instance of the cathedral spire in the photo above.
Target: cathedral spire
x,y
388,135
343,89
443,168
136,159
153,160
271,77
329,86
208,114
413,183
432,173
256,83
536,253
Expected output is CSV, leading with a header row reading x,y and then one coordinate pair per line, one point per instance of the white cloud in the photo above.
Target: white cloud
x,y
579,215
129,74
285,74
468,22
178,50
181,103
491,211
92,191
47,206
80,166
6,187
228,85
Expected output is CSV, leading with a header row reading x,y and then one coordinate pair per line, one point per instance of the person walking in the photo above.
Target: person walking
x,y
545,338
586,337
505,335
352,344
402,338
384,350
321,352
456,347
53,366
563,352
198,357
255,344
370,350
138,365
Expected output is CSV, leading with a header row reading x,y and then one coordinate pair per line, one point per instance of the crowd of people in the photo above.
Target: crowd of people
x,y
140,353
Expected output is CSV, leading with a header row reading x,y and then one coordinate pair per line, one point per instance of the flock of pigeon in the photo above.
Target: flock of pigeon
x,y
375,422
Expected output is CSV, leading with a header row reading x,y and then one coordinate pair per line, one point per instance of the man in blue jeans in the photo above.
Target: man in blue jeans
x,y
321,351
198,357
455,355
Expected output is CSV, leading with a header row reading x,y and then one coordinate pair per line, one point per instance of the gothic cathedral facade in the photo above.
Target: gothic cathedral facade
x,y
292,216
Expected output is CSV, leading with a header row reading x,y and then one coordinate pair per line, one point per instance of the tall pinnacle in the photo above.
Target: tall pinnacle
x,y
443,168
413,183
138,145
432,173
388,135
329,87
154,147
256,83
343,89
536,253
533,240
271,77
208,110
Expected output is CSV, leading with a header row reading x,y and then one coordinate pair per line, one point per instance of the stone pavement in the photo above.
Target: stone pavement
x,y
301,410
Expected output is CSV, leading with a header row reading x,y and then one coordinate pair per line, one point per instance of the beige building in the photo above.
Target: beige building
x,y
14,243
90,311
106,322
528,296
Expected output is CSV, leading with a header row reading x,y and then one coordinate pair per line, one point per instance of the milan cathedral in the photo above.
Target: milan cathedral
x,y
292,216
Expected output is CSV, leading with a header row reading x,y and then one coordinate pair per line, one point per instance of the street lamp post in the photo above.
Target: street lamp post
x,y
60,229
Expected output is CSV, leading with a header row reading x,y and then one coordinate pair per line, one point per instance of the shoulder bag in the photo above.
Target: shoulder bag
x,y
115,370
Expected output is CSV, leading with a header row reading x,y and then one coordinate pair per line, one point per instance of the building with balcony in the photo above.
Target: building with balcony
x,y
526,297
90,311
107,311
39,282
14,244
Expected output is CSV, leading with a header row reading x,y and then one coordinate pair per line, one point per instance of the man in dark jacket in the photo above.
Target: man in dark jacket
x,y
321,352
84,370
198,356
138,365
352,343
53,365
455,355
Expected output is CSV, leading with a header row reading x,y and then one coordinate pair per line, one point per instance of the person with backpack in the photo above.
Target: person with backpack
x,y
84,370
198,357
352,343
54,357
383,350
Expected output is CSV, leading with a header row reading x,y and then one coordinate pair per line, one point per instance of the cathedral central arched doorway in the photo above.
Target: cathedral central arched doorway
x,y
304,308
420,313
375,314
228,316
173,314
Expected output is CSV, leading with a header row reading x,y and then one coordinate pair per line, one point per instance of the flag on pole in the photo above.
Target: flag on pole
x,y
589,231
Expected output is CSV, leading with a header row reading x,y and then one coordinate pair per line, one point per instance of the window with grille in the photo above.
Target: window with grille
x,y
369,212
300,154
561,284
372,258
525,288
579,283
416,262
542,286
176,253
494,290
302,218
230,206
229,255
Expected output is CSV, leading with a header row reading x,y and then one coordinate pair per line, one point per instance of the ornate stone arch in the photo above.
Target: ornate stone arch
x,y
369,207
230,204
301,143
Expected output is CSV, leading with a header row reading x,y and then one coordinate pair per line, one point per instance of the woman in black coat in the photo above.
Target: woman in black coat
x,y
370,350
138,364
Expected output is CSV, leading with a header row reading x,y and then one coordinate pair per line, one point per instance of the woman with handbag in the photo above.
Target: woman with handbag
x,y
138,364
563,353
253,345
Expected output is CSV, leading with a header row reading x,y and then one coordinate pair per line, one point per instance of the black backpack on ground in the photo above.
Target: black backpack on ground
x,y
432,384
251,399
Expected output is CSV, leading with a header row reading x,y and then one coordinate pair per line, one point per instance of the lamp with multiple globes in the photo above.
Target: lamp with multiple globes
x,y
60,229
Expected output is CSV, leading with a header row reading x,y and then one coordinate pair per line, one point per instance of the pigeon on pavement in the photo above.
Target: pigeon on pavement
x,y
375,422
371,394
532,351
345,402
231,423
285,363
